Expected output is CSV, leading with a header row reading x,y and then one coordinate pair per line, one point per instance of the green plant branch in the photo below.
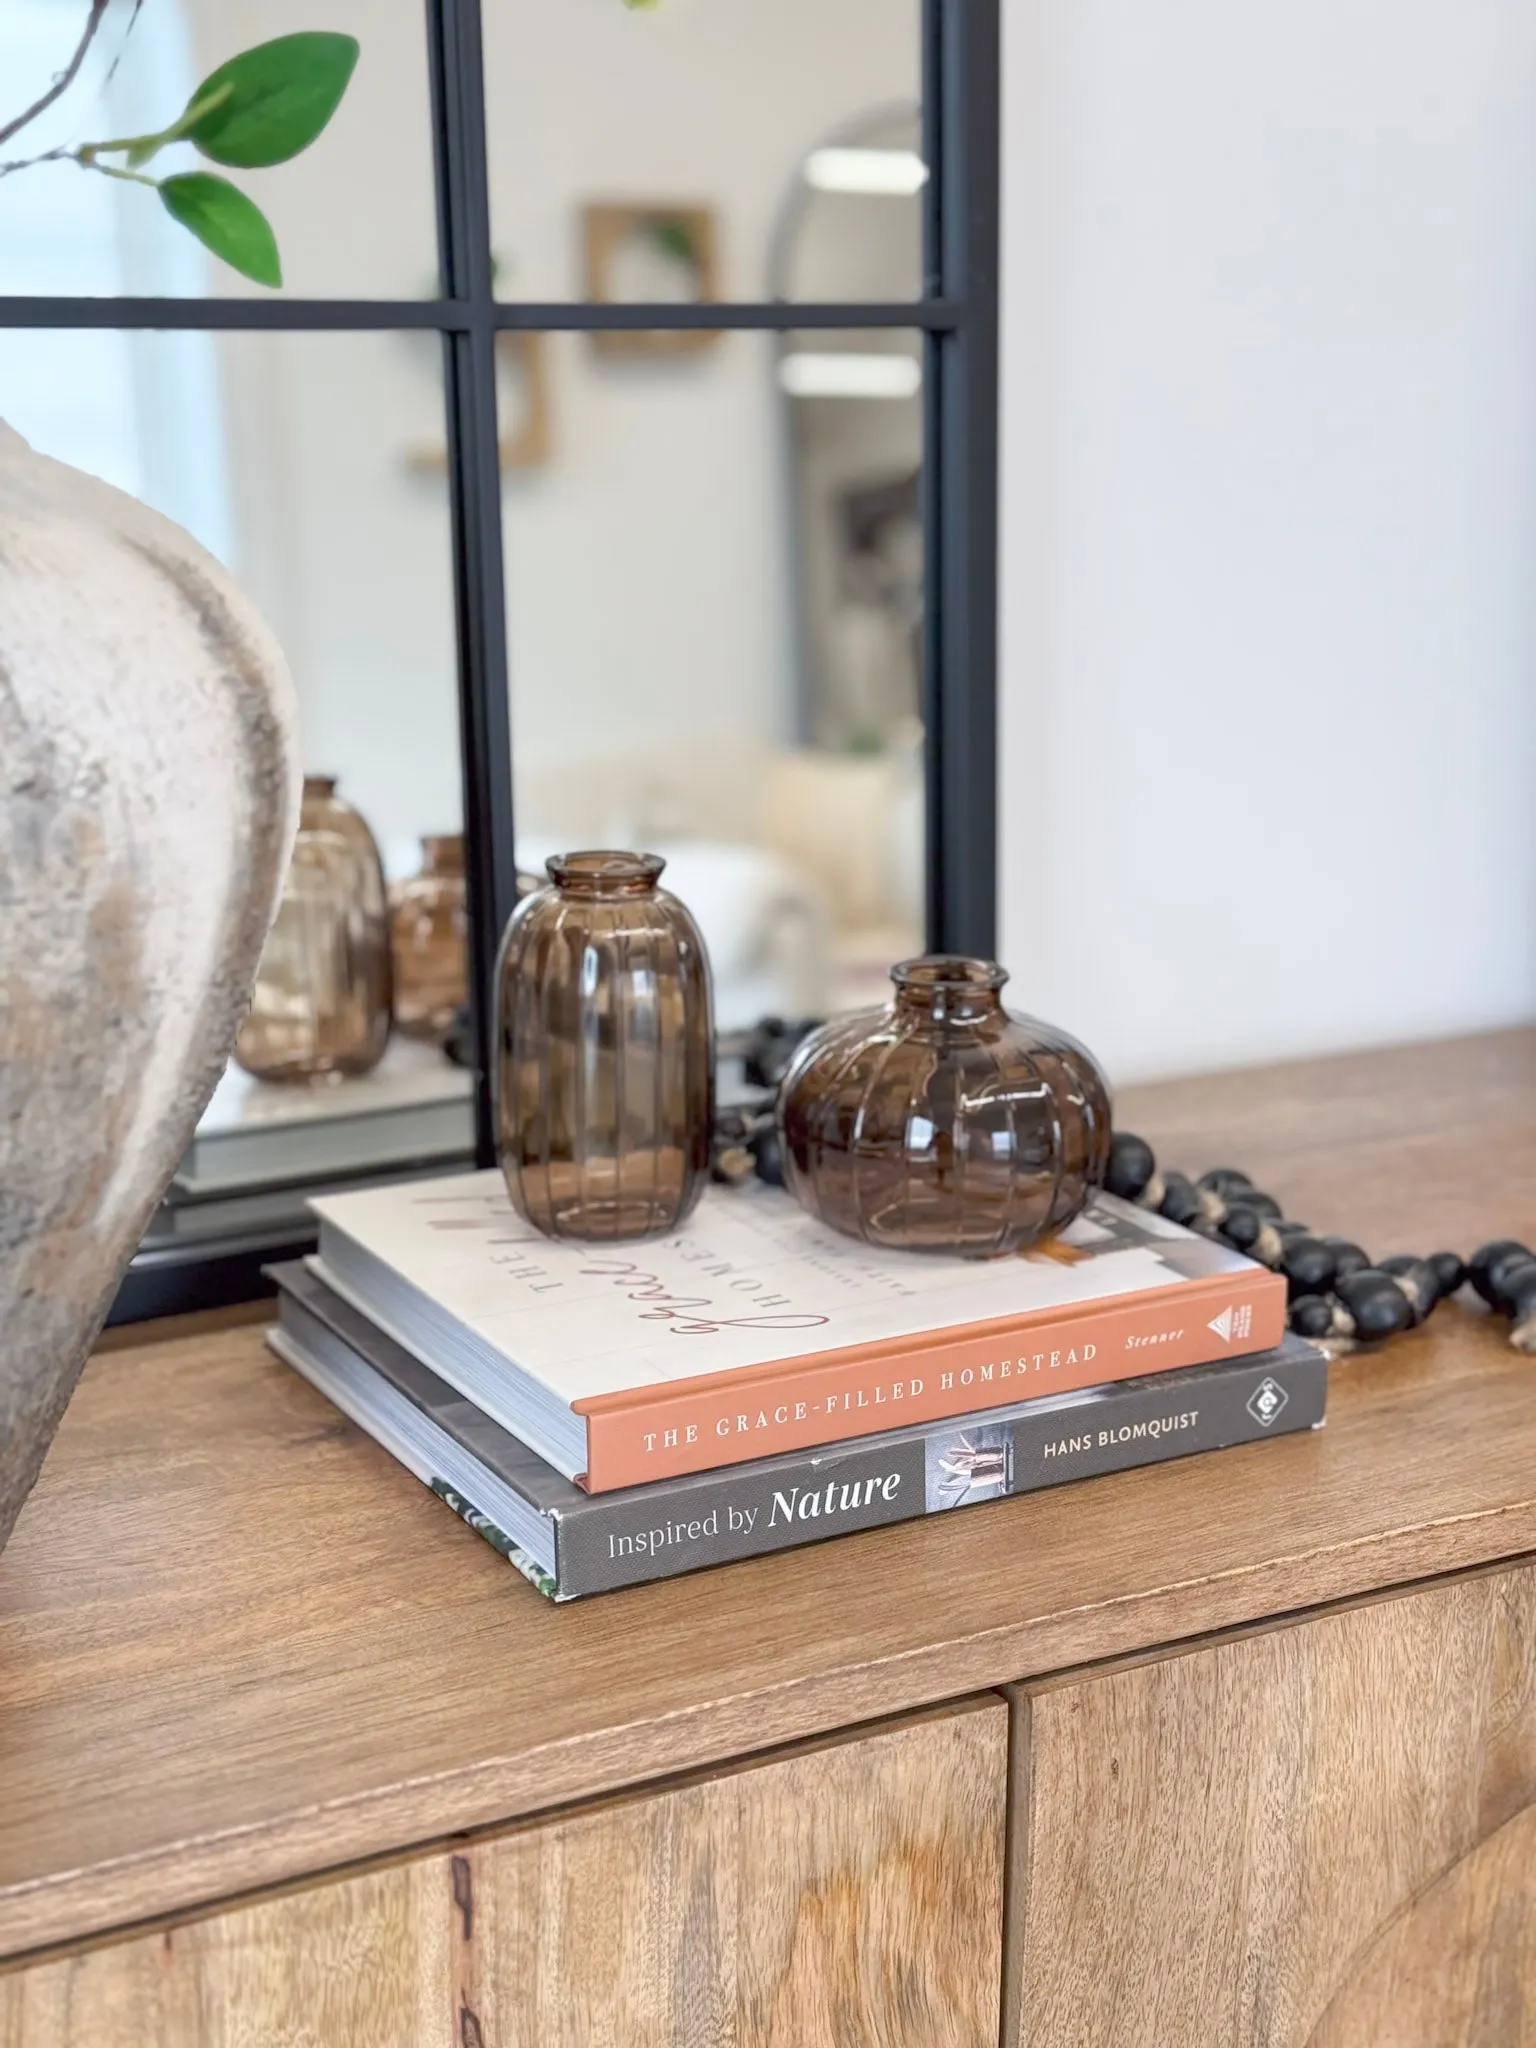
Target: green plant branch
x,y
263,106
65,79
85,156
140,148
111,171
26,163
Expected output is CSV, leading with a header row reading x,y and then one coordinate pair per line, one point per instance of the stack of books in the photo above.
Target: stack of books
x,y
610,1414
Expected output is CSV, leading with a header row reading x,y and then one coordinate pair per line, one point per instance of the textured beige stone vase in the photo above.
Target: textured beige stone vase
x,y
149,785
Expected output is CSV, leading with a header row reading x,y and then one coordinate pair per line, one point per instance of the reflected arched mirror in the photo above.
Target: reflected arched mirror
x,y
852,409
851,222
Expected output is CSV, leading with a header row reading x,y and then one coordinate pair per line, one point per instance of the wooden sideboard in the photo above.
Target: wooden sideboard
x,y
1235,1750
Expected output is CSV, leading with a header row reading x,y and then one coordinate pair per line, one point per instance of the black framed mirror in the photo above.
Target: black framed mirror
x,y
669,508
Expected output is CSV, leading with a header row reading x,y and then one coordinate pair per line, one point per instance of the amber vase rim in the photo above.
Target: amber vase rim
x,y
948,974
604,871
443,851
319,785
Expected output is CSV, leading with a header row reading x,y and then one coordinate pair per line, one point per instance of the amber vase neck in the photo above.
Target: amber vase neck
x,y
948,988
605,875
443,854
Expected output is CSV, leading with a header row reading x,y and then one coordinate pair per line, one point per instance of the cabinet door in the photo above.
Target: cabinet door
x,y
1320,1835
841,1894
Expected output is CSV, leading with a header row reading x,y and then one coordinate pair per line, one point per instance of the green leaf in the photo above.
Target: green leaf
x,y
225,221
268,103
674,238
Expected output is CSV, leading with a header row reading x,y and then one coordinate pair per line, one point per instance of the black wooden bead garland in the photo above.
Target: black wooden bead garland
x,y
746,1135
747,1143
1338,1298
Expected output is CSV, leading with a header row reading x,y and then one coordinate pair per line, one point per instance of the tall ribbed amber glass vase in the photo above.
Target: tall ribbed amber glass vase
x,y
605,1052
944,1123
321,1007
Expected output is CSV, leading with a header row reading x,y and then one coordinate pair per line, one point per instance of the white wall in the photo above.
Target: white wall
x,y
1269,522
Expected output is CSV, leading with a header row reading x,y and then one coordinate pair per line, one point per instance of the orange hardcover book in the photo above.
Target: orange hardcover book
x,y
755,1330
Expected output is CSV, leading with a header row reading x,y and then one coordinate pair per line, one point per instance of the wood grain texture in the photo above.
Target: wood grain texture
x,y
1457,1967
206,1322
1227,1845
238,1645
1406,1149
846,1895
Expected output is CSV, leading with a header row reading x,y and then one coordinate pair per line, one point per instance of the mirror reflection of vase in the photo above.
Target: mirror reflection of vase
x,y
429,928
322,1005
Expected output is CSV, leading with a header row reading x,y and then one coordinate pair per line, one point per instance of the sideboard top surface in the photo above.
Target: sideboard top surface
x,y
238,1646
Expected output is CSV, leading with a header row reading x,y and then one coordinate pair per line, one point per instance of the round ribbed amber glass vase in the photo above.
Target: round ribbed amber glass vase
x,y
321,1007
605,1052
944,1123
429,928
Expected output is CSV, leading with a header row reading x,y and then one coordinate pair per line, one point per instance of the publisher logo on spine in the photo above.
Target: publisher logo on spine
x,y
1232,1324
1266,1401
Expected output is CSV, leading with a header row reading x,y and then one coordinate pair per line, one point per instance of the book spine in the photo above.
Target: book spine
x,y
718,1517
731,1418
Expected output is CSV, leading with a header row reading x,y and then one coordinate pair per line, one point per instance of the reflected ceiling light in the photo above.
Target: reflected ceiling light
x,y
845,375
899,172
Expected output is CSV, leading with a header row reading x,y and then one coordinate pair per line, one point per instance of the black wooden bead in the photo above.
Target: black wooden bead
x,y
1508,1280
1379,1306
1450,1272
767,1157
1522,1309
771,1045
1255,1198
1503,1275
1308,1265
1347,1258
1311,1315
1416,1277
1487,1258
1181,1199
1250,1231
459,1039
1242,1227
760,1055
1224,1180
1132,1164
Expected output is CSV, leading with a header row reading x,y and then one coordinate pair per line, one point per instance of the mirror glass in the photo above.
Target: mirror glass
x,y
713,540
313,466
714,609
850,224
353,216
670,155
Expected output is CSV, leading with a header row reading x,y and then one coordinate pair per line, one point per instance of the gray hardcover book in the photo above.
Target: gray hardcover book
x,y
569,1542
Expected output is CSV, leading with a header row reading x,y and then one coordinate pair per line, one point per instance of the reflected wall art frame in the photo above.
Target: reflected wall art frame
x,y
957,316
